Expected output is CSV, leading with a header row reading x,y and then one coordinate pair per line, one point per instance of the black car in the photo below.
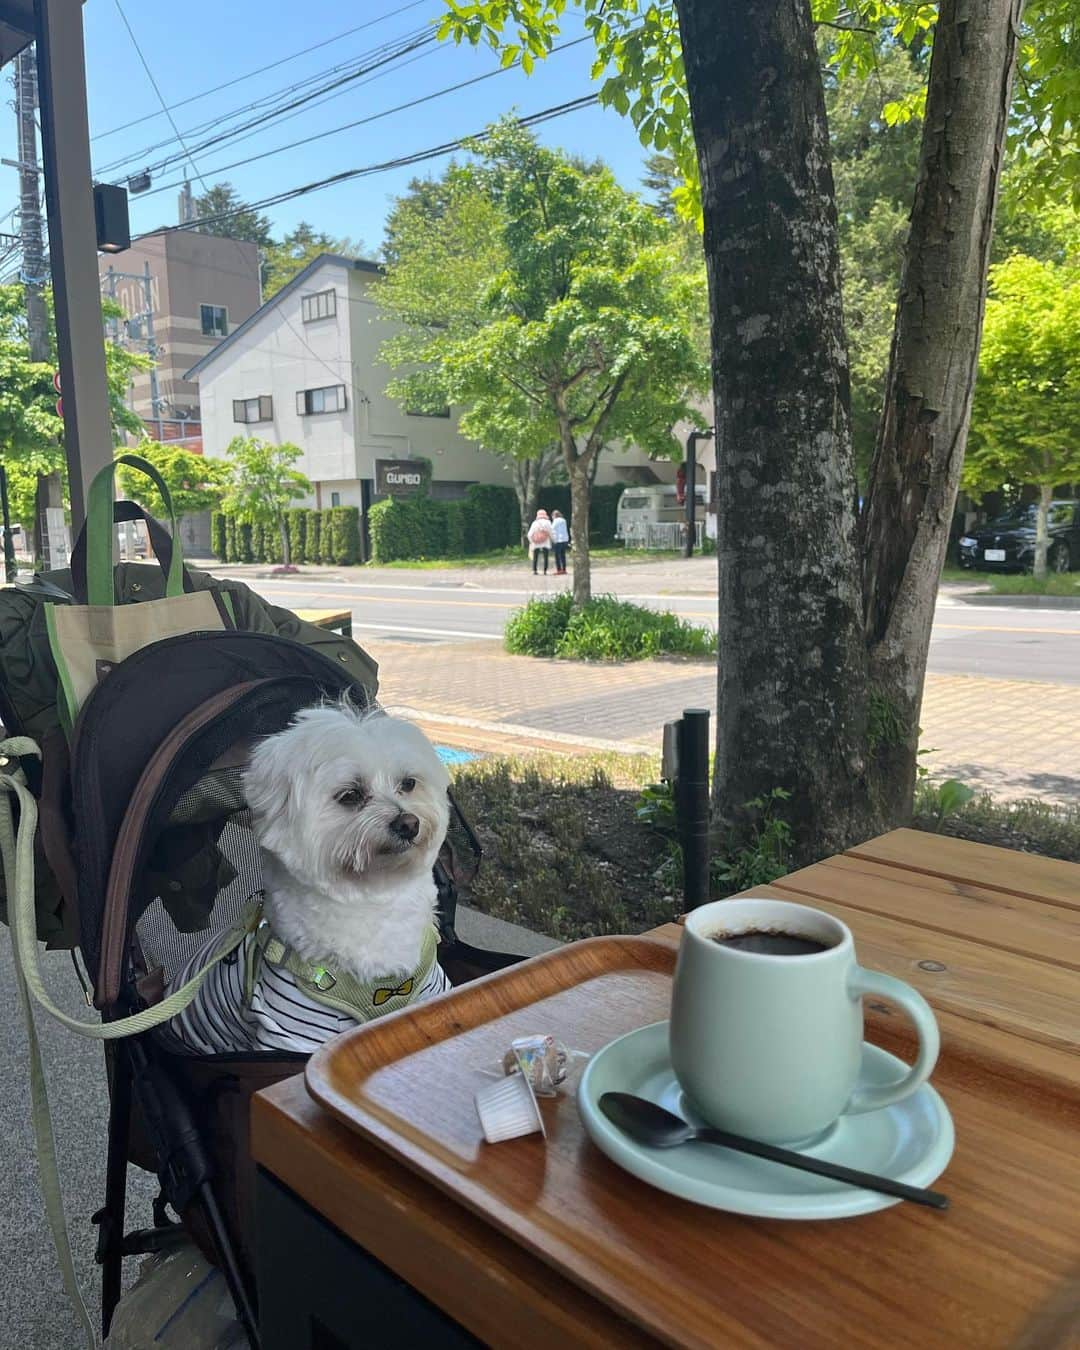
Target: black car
x,y
1007,544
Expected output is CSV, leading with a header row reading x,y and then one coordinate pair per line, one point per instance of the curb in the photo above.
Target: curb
x,y
527,737
1021,601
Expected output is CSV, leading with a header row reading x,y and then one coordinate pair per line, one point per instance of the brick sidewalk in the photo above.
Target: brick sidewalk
x,y
1013,738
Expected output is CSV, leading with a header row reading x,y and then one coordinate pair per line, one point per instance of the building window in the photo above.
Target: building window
x,y
259,409
327,400
335,499
321,305
428,412
215,320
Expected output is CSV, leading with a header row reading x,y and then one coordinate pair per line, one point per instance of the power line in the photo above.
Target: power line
x,y
261,70
404,161
157,91
364,121
385,55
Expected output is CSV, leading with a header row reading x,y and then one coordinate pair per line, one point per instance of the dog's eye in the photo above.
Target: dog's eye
x,y
351,796
407,784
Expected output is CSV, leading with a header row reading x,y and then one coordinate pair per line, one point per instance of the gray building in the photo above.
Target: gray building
x,y
199,289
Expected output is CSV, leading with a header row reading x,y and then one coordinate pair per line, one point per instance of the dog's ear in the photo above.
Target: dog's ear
x,y
268,780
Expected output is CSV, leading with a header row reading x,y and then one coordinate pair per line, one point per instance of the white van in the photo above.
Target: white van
x,y
651,517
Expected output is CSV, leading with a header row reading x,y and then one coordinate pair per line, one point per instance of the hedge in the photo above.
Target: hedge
x,y
331,536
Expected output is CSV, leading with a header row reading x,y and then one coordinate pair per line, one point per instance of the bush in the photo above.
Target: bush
x,y
231,554
258,542
346,537
496,517
606,629
298,521
271,549
407,527
217,536
538,629
313,547
244,552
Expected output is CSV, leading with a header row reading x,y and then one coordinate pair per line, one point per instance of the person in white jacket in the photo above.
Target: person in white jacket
x,y
539,537
560,539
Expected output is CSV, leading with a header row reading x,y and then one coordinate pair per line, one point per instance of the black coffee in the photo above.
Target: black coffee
x,y
771,942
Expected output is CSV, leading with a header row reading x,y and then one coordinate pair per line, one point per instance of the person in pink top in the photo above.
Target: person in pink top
x,y
539,537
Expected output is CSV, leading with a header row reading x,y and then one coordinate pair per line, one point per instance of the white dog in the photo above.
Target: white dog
x,y
349,809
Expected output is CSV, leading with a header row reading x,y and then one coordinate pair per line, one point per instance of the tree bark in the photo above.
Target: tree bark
x,y
580,500
1042,532
792,668
286,555
923,432
530,475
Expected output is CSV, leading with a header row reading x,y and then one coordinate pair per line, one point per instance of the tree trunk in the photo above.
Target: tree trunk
x,y
286,555
792,666
923,432
1042,533
580,499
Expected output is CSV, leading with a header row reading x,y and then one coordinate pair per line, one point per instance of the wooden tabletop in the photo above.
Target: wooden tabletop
x,y
325,618
992,939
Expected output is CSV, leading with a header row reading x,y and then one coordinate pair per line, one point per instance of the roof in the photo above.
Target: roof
x,y
357,264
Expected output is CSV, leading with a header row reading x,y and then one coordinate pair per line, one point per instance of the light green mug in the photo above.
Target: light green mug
x,y
769,1045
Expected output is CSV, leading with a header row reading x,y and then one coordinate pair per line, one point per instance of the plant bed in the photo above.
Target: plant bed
x,y
606,629
567,853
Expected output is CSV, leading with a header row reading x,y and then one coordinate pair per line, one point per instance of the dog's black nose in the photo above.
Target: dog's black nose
x,y
406,826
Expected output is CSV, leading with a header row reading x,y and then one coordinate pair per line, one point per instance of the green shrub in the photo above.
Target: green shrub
x,y
538,629
496,516
298,519
606,629
346,539
271,550
231,554
258,542
313,547
244,552
326,547
217,535
407,527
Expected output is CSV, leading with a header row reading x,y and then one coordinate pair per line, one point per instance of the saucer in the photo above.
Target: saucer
x,y
910,1141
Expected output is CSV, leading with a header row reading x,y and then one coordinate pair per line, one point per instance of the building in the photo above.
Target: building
x,y
181,293
304,368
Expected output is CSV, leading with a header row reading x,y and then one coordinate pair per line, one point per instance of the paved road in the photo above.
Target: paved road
x,y
1005,643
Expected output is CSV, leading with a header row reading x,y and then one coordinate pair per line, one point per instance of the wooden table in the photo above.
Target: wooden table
x,y
991,937
336,620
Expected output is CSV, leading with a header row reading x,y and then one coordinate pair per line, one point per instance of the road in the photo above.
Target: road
x,y
1005,643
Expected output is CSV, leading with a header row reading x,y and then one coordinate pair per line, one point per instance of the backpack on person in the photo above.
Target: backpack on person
x,y
540,533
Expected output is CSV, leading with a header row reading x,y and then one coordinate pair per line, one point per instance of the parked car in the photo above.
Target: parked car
x,y
1007,544
653,505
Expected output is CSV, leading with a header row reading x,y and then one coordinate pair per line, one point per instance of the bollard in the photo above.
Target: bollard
x,y
692,804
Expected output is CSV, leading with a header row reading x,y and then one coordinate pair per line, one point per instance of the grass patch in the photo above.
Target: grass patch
x,y
1030,825
567,852
606,629
1016,583
509,557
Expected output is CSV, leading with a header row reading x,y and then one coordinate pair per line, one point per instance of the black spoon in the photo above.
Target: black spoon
x,y
653,1125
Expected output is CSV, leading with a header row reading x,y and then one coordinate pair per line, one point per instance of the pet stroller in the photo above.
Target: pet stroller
x,y
145,829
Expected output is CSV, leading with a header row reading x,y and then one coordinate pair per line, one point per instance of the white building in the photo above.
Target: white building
x,y
304,368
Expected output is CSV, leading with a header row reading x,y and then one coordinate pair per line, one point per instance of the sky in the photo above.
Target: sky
x,y
195,49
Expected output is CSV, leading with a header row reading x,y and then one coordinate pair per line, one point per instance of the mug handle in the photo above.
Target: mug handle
x,y
912,1002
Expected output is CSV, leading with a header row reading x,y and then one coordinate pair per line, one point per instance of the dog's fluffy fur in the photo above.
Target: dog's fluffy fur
x,y
333,799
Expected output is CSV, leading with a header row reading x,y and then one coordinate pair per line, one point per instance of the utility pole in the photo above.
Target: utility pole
x,y
187,203
691,488
151,346
33,246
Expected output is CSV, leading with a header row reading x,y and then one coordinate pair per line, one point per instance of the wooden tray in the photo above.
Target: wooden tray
x,y
693,1277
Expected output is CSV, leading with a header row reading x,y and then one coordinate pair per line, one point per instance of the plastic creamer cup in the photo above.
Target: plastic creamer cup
x,y
507,1109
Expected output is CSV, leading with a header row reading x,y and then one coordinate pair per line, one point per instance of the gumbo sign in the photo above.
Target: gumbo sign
x,y
398,477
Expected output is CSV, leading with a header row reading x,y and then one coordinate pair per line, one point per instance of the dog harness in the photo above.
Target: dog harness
x,y
265,996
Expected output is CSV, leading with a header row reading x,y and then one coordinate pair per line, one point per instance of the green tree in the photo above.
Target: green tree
x,y
282,261
1025,429
586,334
195,482
264,484
228,216
31,434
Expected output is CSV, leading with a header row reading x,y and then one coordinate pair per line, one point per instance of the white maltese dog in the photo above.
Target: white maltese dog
x,y
350,809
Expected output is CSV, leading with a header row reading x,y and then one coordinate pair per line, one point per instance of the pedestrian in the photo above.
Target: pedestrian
x,y
540,539
560,538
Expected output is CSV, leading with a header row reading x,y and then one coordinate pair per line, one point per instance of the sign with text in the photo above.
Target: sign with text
x,y
399,477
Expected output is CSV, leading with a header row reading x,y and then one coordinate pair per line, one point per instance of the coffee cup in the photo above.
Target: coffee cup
x,y
767,1022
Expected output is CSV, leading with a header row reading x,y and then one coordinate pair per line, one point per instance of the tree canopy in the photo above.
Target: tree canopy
x,y
222,200
282,260
263,484
195,482
551,305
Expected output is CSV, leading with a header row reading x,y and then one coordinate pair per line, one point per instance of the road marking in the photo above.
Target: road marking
x,y
1002,628
391,629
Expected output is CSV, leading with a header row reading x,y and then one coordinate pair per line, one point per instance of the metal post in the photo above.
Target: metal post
x,y
65,142
10,566
151,346
691,489
33,247
692,804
